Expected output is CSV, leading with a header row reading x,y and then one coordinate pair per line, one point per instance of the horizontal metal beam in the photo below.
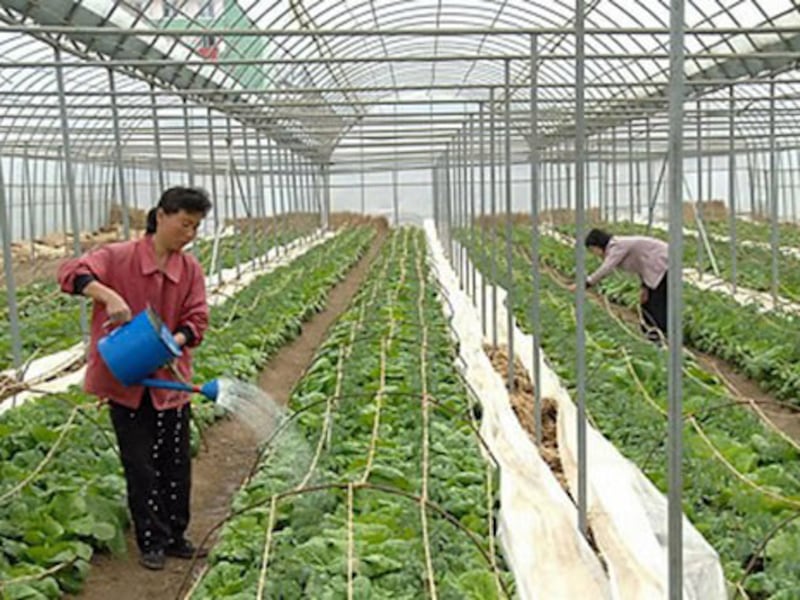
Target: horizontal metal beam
x,y
384,32
433,58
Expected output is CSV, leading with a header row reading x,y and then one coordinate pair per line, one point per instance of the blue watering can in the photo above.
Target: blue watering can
x,y
140,347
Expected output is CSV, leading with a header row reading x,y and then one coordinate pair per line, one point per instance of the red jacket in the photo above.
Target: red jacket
x,y
177,295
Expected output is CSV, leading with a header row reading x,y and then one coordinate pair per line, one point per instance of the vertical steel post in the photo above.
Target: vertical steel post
x,y
773,193
509,230
361,174
535,199
482,162
732,180
580,258
70,178
215,205
675,301
121,187
631,207
11,290
157,139
471,216
493,184
188,136
698,205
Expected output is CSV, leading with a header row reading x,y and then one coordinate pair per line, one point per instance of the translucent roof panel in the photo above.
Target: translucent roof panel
x,y
311,74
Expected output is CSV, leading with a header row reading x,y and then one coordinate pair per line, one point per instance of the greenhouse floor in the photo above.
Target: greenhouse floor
x,y
224,461
783,417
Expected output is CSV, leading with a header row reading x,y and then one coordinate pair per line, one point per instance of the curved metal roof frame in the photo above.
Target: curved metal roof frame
x,y
625,72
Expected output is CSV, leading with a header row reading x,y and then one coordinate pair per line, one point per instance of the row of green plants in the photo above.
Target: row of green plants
x,y
50,320
757,231
741,479
380,420
766,350
62,494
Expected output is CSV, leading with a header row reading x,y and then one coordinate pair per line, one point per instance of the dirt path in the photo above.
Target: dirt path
x,y
225,461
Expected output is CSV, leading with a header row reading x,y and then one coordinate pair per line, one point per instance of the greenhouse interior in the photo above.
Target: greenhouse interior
x,y
384,255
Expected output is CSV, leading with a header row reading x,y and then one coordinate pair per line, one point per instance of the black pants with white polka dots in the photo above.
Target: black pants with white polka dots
x,y
154,446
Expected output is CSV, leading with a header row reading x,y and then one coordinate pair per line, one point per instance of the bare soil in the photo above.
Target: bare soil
x,y
227,457
522,401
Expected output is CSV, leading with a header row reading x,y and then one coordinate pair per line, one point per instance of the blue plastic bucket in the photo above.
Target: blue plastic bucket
x,y
134,350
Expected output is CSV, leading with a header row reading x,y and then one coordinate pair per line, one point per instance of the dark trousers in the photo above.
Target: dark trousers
x,y
654,310
154,446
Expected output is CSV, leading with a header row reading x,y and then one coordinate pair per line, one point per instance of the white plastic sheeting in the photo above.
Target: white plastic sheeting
x,y
626,512
537,521
43,373
743,296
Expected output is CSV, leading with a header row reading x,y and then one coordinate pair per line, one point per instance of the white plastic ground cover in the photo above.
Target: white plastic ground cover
x,y
708,282
43,373
626,512
536,522
743,296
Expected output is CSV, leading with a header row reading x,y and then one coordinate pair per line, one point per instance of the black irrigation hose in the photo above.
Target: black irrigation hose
x,y
343,486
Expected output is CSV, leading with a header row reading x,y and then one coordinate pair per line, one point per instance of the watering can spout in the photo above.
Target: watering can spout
x,y
210,390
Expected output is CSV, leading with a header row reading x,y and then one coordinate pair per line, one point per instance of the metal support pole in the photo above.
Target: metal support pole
x,y
471,215
482,162
29,196
262,201
614,182
631,207
675,301
361,175
11,290
215,205
273,195
580,258
773,193
251,214
70,180
395,176
295,190
231,182
698,203
121,187
535,199
649,158
157,139
189,158
327,209
493,185
732,181
509,231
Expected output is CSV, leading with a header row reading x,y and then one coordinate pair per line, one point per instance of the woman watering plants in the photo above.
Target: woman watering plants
x,y
646,257
152,426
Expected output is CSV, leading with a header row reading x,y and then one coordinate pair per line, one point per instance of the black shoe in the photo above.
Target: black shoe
x,y
153,560
185,549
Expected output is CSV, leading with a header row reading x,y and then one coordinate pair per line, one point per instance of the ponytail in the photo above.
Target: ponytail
x,y
151,221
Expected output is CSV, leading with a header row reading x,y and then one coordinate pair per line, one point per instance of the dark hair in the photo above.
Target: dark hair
x,y
191,200
598,238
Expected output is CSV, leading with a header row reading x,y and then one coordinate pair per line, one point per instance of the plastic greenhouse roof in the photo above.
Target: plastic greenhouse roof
x,y
340,78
